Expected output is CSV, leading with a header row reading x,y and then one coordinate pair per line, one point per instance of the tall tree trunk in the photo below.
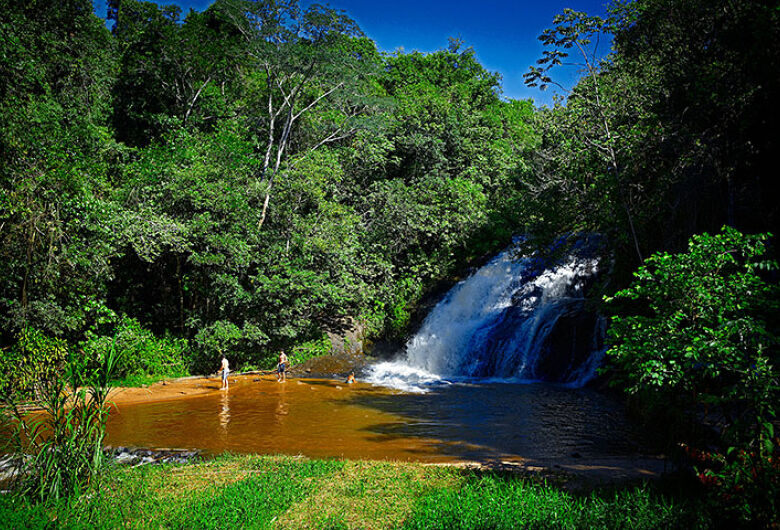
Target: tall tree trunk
x,y
265,209
277,163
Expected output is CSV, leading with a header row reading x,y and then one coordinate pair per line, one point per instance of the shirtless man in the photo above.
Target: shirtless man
x,y
281,368
225,371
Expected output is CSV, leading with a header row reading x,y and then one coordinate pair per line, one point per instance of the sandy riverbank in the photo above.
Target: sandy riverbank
x,y
178,388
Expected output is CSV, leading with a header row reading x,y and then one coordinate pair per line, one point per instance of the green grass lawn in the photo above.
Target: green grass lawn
x,y
288,492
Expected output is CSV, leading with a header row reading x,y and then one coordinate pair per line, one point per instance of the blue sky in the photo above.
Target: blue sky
x,y
502,33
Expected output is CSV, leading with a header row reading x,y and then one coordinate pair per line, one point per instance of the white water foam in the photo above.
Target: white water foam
x,y
492,326
402,376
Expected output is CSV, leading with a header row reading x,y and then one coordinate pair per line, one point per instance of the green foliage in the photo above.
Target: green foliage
x,y
573,30
248,176
59,451
696,324
34,357
709,60
310,349
143,354
16,512
225,338
146,184
401,307
663,137
56,68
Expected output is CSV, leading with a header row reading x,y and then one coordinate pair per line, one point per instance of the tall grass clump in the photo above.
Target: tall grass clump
x,y
58,422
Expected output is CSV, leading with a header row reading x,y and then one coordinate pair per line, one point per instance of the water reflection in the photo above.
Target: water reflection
x,y
282,408
224,413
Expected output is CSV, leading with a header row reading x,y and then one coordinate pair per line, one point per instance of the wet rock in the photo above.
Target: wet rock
x,y
8,468
335,366
575,335
134,456
347,336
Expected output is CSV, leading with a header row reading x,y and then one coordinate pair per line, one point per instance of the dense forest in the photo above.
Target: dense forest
x,y
240,179
247,178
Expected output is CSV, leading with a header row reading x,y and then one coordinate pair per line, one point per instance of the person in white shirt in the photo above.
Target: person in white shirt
x,y
225,371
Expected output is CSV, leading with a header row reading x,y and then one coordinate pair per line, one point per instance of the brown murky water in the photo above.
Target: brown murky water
x,y
322,418
316,418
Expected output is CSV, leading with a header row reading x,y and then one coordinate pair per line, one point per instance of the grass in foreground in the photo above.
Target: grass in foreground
x,y
287,492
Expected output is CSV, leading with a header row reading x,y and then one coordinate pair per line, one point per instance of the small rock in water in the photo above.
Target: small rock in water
x,y
123,458
576,455
139,456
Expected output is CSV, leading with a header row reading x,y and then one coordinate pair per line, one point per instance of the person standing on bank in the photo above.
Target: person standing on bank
x,y
225,371
281,368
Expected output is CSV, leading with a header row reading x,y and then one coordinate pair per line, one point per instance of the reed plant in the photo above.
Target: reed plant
x,y
56,434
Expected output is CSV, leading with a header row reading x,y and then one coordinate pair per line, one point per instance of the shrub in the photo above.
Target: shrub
x,y
311,349
742,487
407,293
33,358
223,337
142,352
698,325
695,331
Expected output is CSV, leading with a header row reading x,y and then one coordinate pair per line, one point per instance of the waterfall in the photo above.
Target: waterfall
x,y
516,319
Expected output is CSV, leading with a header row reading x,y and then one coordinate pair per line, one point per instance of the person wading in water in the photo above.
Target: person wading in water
x,y
281,368
225,371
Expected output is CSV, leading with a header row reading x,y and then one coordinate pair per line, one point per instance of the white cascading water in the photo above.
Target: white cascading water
x,y
509,321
